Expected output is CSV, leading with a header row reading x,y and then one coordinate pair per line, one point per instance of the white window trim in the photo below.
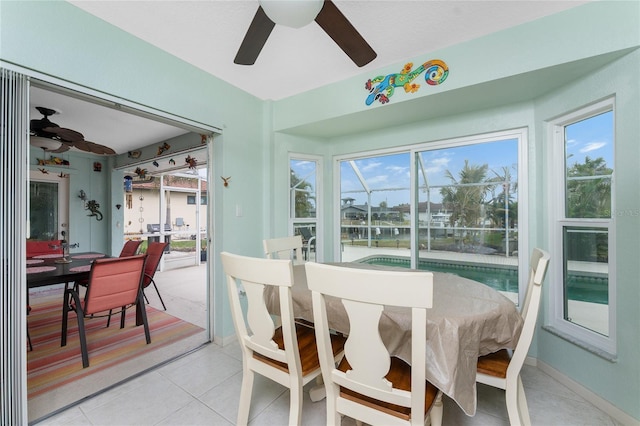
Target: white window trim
x,y
318,220
555,189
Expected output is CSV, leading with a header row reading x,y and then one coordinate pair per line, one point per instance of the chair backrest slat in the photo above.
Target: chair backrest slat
x,y
284,248
254,276
113,283
539,263
364,294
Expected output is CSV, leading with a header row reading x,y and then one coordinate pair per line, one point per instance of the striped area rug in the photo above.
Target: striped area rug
x,y
50,366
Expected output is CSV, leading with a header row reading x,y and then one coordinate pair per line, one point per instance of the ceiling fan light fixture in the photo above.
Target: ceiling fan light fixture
x,y
292,13
45,143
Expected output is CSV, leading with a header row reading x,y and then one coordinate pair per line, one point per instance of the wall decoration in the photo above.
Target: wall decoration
x,y
63,175
155,163
226,180
134,154
191,161
93,207
162,148
436,72
44,171
128,189
203,139
172,162
142,173
97,166
53,161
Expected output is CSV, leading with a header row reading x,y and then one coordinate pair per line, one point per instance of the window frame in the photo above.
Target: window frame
x,y
520,134
556,190
317,221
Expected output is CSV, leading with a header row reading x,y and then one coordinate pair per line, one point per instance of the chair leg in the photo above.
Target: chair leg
x,y
437,410
511,396
245,396
29,340
157,291
143,315
295,403
522,404
122,316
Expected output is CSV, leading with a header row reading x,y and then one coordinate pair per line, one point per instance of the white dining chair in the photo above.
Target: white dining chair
x,y
287,354
369,385
284,248
502,369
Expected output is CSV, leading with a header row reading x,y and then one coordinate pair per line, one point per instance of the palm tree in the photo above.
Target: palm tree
x,y
465,197
589,189
303,197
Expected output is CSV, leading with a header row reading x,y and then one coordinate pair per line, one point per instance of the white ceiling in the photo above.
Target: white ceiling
x,y
207,34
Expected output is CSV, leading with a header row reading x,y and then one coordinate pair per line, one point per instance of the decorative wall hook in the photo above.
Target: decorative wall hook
x,y
82,195
226,180
118,206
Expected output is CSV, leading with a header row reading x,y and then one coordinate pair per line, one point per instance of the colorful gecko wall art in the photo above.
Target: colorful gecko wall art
x,y
436,72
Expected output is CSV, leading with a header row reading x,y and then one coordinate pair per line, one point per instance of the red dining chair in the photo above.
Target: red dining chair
x,y
38,248
130,248
114,283
154,254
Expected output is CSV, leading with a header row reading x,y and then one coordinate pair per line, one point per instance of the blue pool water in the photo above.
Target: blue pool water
x,y
582,288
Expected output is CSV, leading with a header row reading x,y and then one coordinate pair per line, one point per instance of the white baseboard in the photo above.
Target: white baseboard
x,y
585,393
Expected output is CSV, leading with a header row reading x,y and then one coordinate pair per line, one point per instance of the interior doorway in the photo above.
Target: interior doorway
x,y
92,113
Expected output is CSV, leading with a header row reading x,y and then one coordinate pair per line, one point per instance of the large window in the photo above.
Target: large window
x,y
449,206
304,196
583,297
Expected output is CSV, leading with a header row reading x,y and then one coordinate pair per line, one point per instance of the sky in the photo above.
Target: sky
x,y
393,171
389,175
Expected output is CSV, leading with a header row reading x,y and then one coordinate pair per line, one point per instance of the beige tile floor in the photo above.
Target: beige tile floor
x,y
203,387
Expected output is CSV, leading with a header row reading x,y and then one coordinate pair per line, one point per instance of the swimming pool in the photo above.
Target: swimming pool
x,y
502,278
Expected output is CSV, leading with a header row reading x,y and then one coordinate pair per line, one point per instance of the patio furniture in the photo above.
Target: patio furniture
x,y
130,248
287,354
369,385
501,369
154,254
114,283
39,248
284,248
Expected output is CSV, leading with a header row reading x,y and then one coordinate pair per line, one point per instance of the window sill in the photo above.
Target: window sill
x,y
582,344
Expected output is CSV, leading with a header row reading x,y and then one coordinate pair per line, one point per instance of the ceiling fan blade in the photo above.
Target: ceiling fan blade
x,y
64,147
96,148
334,23
255,38
65,134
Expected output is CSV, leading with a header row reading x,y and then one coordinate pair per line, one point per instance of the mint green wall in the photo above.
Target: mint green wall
x,y
516,78
90,234
57,39
618,382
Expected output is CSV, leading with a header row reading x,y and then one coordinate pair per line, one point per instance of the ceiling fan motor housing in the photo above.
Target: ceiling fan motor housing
x,y
294,14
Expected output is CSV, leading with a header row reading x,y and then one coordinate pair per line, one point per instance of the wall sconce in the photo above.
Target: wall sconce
x,y
82,195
